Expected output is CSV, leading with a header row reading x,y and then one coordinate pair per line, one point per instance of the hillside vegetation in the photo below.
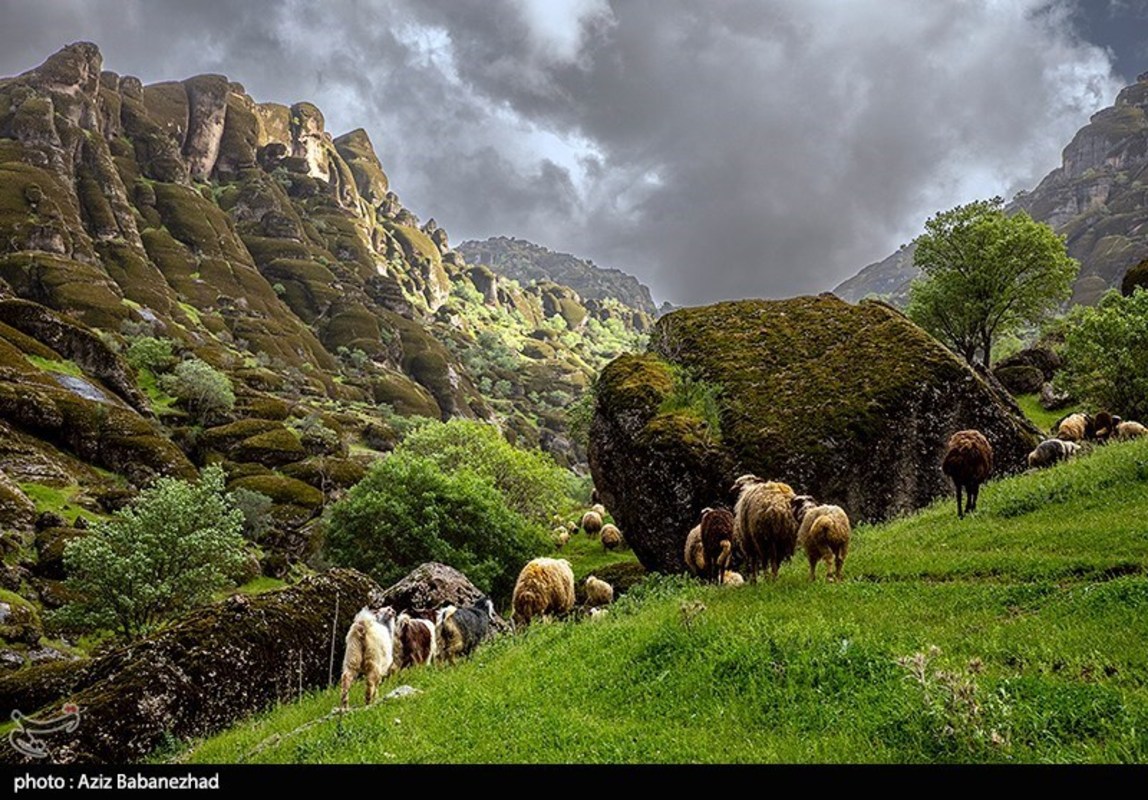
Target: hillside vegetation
x,y
1015,635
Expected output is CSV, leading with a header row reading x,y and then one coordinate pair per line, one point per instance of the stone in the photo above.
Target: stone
x,y
852,404
431,586
1020,379
16,510
1053,399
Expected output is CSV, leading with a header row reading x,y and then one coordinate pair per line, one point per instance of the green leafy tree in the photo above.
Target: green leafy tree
x,y
408,511
985,274
532,483
169,551
148,352
1106,354
203,389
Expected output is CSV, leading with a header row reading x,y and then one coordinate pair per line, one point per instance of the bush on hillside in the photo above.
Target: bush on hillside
x,y
408,511
204,390
1106,354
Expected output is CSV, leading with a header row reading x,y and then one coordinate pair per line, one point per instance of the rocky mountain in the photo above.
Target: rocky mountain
x,y
1097,198
851,403
529,263
159,239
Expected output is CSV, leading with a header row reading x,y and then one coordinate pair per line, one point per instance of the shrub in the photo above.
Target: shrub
x,y
170,550
408,511
203,389
315,436
696,397
255,508
148,352
1106,354
532,483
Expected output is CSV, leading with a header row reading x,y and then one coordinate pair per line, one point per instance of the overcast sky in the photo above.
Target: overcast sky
x,y
716,150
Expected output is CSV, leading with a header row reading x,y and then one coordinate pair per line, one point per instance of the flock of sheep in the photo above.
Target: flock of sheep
x,y
768,523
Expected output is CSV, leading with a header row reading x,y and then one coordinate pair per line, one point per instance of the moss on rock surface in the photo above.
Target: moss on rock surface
x,y
853,404
1136,276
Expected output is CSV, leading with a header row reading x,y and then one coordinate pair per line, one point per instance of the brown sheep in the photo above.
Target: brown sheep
x,y
1130,430
592,522
611,536
694,554
764,528
544,586
1075,428
1104,426
598,592
823,533
968,463
414,641
717,541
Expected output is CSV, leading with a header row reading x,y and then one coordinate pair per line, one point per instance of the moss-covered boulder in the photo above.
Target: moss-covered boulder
x,y
19,620
326,472
16,510
1020,378
1136,276
213,667
853,404
50,545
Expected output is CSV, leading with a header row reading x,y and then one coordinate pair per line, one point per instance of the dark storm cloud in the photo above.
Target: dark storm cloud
x,y
714,149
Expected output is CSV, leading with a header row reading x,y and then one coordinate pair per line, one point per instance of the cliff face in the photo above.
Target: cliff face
x,y
1097,198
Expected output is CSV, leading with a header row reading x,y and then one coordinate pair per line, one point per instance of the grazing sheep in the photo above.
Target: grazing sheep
x,y
1103,426
823,533
598,592
599,509
1050,452
764,529
1075,428
591,522
1130,430
459,630
717,541
731,578
561,537
968,463
415,641
598,613
369,651
545,585
694,554
611,536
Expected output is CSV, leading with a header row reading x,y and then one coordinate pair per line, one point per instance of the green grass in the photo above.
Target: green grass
x,y
1036,413
62,500
161,401
1038,602
61,367
257,585
587,555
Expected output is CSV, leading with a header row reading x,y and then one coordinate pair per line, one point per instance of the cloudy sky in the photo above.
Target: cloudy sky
x,y
716,150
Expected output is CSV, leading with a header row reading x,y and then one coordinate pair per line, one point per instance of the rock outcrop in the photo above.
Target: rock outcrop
x,y
431,586
853,404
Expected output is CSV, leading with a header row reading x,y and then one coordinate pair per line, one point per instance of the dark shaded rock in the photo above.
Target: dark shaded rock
x,y
1136,276
49,519
16,510
19,620
1053,399
50,545
1020,379
214,666
10,659
433,585
853,404
37,687
1045,359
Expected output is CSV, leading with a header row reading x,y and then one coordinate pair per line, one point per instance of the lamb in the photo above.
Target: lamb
x,y
598,592
1075,428
694,554
369,651
968,463
415,641
591,522
731,578
458,631
545,585
1050,452
599,509
1130,430
717,541
764,529
824,535
561,537
611,536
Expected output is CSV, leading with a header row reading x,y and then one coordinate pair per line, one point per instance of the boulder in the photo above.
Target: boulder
x,y
19,620
851,403
16,510
1020,379
431,586
1136,276
1045,359
202,673
1054,399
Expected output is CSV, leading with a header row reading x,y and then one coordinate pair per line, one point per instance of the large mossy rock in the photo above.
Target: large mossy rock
x,y
206,671
1136,276
853,404
431,586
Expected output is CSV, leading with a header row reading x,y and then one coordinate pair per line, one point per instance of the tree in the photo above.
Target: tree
x,y
987,273
170,550
203,389
1106,354
408,511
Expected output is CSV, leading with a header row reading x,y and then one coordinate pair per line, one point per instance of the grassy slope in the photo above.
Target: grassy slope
x,y
1036,413
1046,586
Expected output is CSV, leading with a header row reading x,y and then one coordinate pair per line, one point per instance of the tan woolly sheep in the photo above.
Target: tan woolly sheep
x,y
968,463
1130,430
764,529
592,522
370,649
824,535
731,578
611,536
598,509
694,553
598,592
561,537
1075,428
544,586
